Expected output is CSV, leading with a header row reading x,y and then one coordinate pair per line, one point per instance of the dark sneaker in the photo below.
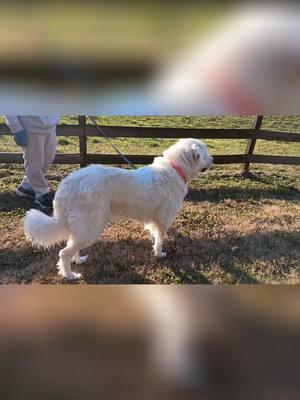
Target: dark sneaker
x,y
44,204
22,192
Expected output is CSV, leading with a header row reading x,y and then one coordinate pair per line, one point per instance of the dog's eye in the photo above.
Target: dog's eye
x,y
196,156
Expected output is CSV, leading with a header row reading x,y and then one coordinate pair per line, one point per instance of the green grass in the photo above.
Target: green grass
x,y
230,230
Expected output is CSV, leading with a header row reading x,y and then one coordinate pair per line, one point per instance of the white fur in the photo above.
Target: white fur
x,y
47,230
88,199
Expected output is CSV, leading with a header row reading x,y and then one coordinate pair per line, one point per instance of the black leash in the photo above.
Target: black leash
x,y
110,142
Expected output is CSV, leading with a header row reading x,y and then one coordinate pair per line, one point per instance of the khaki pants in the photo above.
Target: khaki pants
x,y
38,157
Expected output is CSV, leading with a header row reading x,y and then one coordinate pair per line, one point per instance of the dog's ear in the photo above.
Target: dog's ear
x,y
195,152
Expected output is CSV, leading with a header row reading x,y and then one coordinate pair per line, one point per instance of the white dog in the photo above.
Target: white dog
x,y
88,199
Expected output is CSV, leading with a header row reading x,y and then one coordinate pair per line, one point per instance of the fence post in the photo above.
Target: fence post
x,y
82,141
250,146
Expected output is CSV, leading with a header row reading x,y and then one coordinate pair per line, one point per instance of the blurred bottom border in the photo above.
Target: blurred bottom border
x,y
141,342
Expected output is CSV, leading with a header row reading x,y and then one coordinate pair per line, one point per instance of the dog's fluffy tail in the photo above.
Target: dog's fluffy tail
x,y
43,230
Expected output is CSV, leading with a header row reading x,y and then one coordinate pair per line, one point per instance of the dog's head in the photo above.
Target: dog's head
x,y
191,154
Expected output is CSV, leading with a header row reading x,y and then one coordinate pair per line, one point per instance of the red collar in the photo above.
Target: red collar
x,y
179,171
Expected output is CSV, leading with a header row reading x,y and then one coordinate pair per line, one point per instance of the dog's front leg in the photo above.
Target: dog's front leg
x,y
159,235
160,228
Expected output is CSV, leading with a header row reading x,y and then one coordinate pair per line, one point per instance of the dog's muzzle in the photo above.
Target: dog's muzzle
x,y
208,165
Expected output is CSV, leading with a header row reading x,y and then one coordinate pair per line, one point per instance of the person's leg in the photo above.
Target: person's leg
x,y
25,183
25,189
33,163
44,201
49,151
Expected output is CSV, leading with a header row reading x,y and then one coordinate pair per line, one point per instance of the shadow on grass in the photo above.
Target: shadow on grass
x,y
28,264
215,195
190,261
9,201
232,254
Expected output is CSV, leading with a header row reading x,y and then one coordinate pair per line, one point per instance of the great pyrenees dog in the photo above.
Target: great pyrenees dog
x,y
88,199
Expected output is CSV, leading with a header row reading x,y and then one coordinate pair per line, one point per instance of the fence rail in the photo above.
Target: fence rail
x,y
170,133
83,131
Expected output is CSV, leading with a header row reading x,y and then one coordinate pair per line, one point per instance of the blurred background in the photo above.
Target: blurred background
x,y
187,58
72,342
143,58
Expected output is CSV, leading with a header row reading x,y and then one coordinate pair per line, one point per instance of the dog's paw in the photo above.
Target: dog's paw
x,y
77,259
162,254
72,276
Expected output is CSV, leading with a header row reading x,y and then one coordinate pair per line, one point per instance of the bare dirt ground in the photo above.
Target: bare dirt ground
x,y
230,231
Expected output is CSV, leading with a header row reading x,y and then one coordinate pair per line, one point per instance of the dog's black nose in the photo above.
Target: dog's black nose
x,y
203,169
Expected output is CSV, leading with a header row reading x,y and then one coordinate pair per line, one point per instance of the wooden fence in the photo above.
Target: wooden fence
x,y
83,131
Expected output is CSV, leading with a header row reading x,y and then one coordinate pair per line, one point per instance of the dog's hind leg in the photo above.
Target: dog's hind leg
x,y
84,232
65,259
71,253
77,259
